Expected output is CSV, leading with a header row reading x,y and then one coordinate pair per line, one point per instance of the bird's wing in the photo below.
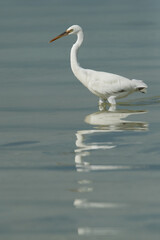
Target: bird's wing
x,y
103,84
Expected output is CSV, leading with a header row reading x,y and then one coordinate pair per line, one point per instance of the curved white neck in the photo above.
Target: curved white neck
x,y
78,71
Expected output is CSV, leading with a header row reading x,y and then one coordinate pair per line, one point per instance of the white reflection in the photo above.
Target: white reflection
x,y
94,146
97,231
83,166
90,140
115,121
83,203
104,122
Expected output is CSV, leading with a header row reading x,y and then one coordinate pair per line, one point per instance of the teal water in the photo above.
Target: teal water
x,y
68,171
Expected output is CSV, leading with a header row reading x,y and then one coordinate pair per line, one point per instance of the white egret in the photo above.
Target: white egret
x,y
107,86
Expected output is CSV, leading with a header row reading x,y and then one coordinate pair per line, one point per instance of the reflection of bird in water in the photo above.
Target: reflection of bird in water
x,y
104,123
113,121
106,86
108,122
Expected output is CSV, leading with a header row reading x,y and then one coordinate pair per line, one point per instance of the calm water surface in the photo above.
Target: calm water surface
x,y
68,171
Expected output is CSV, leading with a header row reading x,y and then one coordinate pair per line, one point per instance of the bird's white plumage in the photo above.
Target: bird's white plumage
x,y
107,86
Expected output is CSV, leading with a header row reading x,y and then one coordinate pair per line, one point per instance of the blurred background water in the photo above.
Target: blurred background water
x,y
68,171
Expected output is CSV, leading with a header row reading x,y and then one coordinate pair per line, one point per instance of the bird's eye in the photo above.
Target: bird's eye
x,y
69,31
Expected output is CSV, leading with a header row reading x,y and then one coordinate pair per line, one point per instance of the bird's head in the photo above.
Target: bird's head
x,y
74,29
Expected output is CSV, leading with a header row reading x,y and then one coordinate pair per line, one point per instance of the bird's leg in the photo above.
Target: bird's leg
x,y
112,108
101,101
102,104
112,100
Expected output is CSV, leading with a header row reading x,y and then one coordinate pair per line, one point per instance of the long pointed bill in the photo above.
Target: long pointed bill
x,y
61,35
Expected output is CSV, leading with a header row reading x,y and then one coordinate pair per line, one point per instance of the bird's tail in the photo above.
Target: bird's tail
x,y
140,85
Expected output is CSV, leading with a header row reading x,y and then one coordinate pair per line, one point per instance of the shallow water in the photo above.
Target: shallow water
x,y
69,171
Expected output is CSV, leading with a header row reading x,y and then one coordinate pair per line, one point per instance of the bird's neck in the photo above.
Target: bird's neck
x,y
78,71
